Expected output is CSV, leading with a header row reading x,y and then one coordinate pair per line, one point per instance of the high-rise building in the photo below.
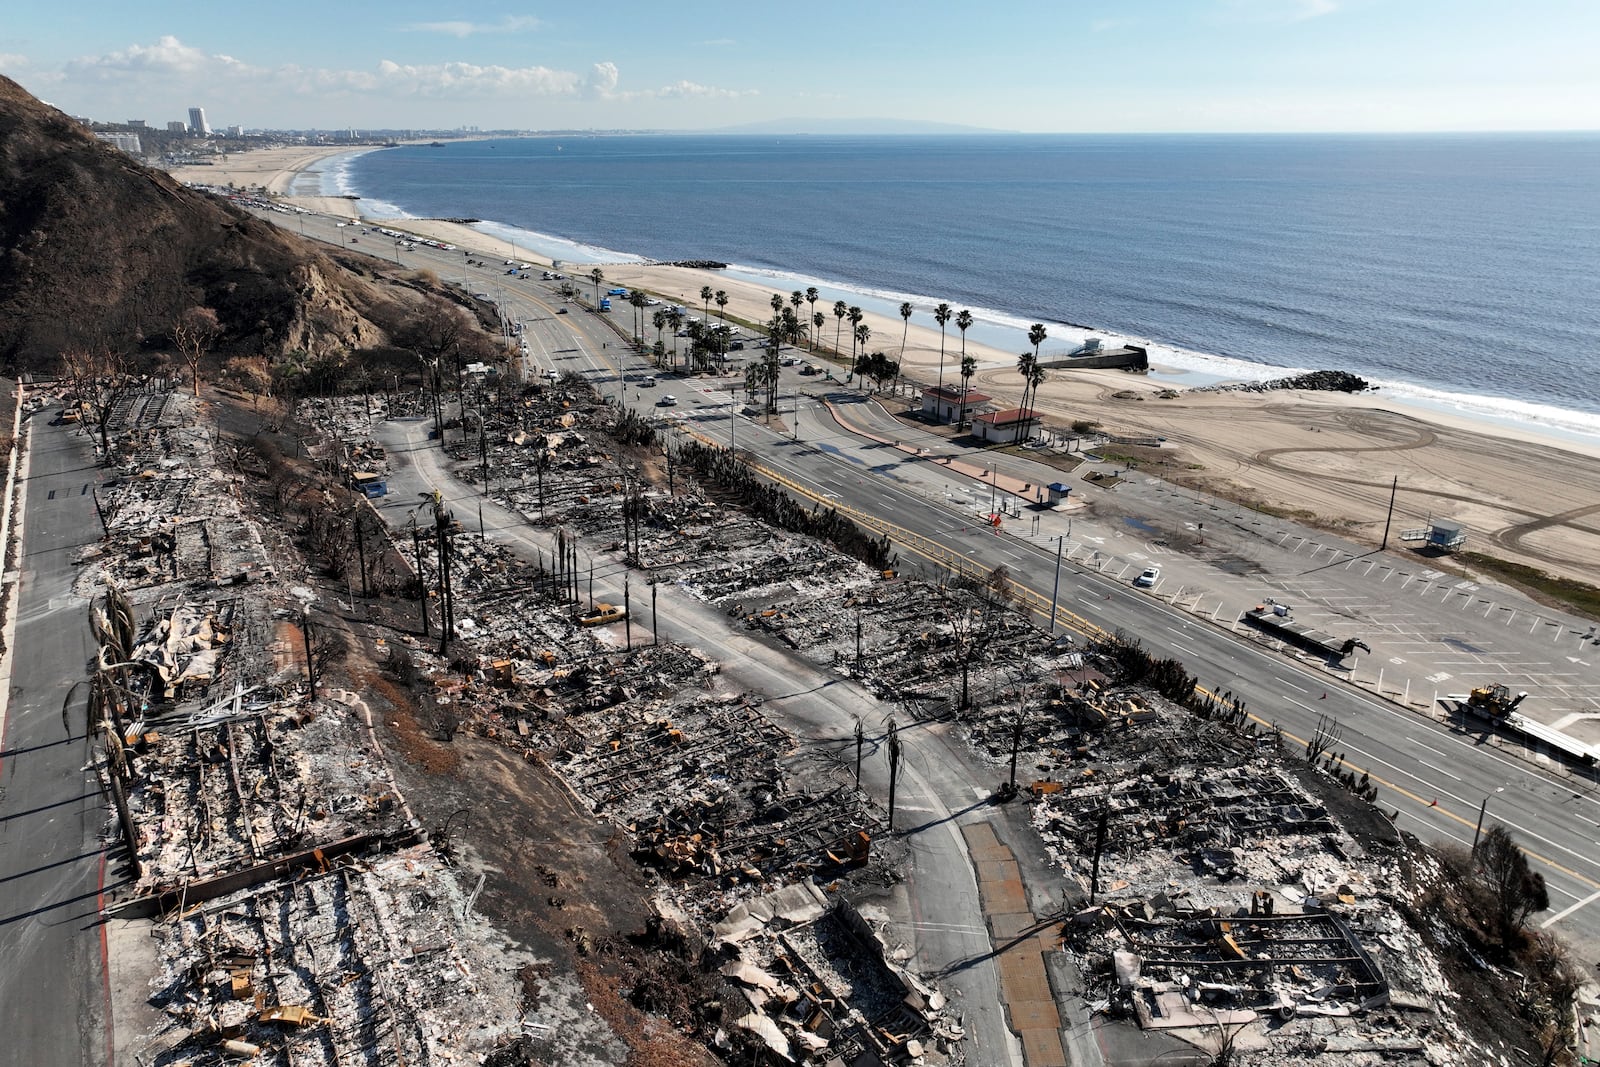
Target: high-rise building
x,y
197,122
177,127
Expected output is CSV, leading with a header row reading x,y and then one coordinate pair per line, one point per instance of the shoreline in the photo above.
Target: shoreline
x,y
1331,455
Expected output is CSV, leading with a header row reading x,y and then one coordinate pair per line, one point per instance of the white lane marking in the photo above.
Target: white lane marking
x,y
1441,770
1568,910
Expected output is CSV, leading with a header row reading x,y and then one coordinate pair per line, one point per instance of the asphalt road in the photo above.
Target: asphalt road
x,y
53,992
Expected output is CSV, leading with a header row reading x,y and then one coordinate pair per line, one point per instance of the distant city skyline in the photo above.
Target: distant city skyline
x,y
1032,66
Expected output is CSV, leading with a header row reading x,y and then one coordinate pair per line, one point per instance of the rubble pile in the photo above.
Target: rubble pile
x,y
171,518
1230,903
359,962
275,775
813,980
296,915
702,788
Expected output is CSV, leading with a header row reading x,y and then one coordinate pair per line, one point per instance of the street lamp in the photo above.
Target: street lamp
x,y
340,226
1478,830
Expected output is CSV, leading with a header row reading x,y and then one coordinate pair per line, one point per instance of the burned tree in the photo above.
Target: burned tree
x,y
99,377
193,334
1515,890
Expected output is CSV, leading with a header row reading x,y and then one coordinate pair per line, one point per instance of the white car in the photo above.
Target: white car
x,y
647,381
668,401
1148,577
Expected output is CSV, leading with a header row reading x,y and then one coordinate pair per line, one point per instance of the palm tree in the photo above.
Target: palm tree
x,y
839,312
817,319
863,334
1025,363
597,276
722,304
639,302
675,319
969,367
777,304
905,313
963,320
1035,379
811,297
1036,336
705,301
658,320
796,298
941,315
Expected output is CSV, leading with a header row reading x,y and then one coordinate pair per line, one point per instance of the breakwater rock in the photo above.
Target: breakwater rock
x,y
696,264
1323,381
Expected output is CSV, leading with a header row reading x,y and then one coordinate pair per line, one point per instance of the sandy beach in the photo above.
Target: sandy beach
x,y
1330,458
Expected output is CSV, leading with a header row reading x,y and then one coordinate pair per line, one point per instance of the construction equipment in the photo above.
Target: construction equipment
x,y
1494,701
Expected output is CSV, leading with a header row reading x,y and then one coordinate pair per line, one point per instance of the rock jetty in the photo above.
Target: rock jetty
x,y
1322,381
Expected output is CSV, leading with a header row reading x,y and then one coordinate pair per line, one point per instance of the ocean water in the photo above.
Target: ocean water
x,y
1458,270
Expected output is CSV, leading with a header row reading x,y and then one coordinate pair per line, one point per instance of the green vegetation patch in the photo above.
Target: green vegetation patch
x,y
1579,596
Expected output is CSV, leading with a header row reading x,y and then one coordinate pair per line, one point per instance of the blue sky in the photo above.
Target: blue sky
x,y
1032,65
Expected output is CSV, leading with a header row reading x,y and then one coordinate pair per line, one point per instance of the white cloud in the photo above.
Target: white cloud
x,y
720,42
12,61
602,81
462,28
459,79
168,56
688,89
151,74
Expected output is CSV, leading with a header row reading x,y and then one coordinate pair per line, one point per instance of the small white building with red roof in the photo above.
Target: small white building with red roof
x,y
944,404
1010,426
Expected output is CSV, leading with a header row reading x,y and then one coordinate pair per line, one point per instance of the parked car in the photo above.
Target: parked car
x,y
1148,577
602,614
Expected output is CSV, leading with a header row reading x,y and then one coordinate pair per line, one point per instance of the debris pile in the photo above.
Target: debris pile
x,y
297,916
1230,904
360,961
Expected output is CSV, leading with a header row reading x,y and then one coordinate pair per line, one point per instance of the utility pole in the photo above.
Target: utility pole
x,y
1099,844
894,767
1055,589
1393,490
627,617
858,640
655,630
422,586
311,664
361,551
1016,745
861,737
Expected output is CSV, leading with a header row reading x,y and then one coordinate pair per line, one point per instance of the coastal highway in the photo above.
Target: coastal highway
x,y
1433,776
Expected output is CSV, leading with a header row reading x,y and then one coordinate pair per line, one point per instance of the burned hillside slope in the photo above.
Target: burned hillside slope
x,y
85,227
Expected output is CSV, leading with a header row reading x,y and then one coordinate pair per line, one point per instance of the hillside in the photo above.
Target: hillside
x,y
98,248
